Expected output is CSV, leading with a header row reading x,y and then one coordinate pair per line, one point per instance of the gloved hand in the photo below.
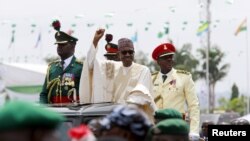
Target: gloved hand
x,y
194,137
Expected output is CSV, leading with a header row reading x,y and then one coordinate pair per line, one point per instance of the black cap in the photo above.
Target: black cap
x,y
62,37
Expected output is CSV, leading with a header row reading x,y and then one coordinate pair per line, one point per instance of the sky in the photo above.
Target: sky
x,y
226,16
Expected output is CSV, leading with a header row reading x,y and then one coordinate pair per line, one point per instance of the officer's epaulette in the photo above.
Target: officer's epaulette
x,y
154,76
183,72
79,61
54,62
154,73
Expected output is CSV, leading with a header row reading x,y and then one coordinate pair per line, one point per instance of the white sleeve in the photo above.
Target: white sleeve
x,y
146,80
91,56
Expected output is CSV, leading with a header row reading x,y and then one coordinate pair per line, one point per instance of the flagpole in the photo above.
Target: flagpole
x,y
247,69
210,96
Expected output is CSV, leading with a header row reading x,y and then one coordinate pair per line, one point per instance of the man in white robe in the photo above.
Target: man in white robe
x,y
123,82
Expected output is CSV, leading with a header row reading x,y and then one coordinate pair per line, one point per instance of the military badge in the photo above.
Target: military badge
x,y
165,47
173,82
68,79
108,46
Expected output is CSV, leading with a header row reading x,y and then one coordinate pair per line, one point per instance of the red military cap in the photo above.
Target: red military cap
x,y
111,48
163,50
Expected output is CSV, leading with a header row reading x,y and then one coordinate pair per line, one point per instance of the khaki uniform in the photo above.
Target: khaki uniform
x,y
177,91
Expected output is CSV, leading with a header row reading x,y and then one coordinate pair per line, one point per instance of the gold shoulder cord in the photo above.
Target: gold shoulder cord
x,y
154,76
51,84
70,92
183,72
48,75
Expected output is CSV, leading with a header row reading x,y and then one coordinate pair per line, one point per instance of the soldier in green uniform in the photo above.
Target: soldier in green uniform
x,y
63,76
170,130
24,121
168,113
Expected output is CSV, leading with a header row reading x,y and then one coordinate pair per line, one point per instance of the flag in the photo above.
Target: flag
x,y
38,40
160,35
202,28
12,40
166,30
129,24
135,37
241,27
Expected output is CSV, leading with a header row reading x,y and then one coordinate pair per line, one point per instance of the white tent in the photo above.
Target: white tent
x,y
16,74
22,81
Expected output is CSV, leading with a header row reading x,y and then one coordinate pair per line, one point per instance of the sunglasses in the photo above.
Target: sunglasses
x,y
127,51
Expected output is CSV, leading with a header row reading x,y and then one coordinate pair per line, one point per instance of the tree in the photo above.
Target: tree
x,y
186,61
237,104
142,58
217,70
235,92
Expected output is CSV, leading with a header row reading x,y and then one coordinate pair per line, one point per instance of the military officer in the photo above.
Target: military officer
x,y
174,88
63,76
161,115
111,48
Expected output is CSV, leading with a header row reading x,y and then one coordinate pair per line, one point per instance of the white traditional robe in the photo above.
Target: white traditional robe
x,y
110,81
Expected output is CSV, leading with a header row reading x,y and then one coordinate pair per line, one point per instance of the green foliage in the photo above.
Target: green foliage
x,y
184,60
236,104
235,92
142,58
217,71
153,66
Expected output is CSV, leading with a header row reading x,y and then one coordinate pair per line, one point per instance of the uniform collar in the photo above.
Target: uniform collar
x,y
168,74
67,61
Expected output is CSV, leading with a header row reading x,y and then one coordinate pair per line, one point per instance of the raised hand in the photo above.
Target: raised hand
x,y
98,35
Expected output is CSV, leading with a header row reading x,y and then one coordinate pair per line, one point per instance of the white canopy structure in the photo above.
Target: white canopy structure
x,y
22,81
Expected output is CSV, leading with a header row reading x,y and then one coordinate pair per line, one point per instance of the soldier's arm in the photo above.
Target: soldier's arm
x,y
193,104
43,98
44,94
